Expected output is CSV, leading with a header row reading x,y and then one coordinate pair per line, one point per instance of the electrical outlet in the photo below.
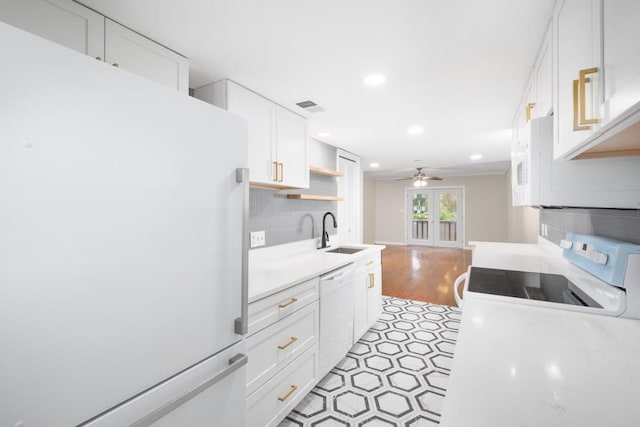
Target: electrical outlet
x,y
257,239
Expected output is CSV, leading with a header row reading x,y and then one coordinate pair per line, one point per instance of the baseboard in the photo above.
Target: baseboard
x,y
379,242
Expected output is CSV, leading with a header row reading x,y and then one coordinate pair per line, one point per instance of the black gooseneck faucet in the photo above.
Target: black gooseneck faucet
x,y
325,235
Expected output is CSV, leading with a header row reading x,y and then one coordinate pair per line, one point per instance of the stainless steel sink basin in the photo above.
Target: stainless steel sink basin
x,y
345,250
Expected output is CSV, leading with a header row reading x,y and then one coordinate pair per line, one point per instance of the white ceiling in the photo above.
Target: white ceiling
x,y
456,67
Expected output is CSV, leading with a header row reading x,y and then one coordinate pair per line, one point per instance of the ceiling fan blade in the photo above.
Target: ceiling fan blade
x,y
404,179
433,178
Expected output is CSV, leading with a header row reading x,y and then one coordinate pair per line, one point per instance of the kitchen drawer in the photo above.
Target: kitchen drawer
x,y
268,405
269,310
277,345
368,261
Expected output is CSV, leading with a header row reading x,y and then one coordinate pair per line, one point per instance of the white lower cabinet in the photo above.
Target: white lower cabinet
x,y
282,346
367,294
268,405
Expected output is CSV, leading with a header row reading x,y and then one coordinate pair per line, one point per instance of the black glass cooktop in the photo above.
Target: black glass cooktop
x,y
527,285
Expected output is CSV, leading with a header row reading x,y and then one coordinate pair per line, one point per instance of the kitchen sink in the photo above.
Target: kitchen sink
x,y
345,250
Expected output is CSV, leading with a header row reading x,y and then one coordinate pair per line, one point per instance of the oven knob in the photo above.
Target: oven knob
x,y
597,257
566,244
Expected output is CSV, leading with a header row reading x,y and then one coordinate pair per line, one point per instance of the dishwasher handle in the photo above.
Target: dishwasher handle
x,y
456,287
337,275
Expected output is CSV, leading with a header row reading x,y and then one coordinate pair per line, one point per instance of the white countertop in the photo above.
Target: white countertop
x,y
520,365
516,365
276,268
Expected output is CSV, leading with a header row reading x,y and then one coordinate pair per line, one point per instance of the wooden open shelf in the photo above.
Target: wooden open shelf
x,y
314,197
322,171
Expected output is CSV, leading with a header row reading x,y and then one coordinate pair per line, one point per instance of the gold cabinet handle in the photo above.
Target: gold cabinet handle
x,y
576,108
582,82
281,165
287,304
98,58
528,109
370,277
115,64
369,262
287,394
275,171
288,343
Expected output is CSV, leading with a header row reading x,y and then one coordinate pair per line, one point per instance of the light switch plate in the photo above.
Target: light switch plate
x,y
257,239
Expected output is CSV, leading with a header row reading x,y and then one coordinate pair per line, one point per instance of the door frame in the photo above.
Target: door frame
x,y
461,219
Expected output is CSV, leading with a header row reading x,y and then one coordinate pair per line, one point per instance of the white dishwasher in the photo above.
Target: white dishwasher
x,y
336,317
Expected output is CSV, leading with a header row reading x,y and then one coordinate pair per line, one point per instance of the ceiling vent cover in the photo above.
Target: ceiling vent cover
x,y
310,106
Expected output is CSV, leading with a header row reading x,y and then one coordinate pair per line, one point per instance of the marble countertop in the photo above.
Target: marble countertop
x,y
519,365
276,268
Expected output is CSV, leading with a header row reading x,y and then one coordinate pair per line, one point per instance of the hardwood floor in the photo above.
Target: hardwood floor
x,y
422,273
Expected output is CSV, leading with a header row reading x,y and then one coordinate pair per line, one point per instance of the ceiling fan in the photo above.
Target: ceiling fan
x,y
420,179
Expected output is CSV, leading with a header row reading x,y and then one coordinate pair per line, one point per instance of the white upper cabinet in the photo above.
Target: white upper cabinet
x,y
260,114
81,29
621,52
578,73
62,21
277,136
144,57
291,148
543,74
597,71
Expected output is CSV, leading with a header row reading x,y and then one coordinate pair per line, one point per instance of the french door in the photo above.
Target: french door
x,y
434,217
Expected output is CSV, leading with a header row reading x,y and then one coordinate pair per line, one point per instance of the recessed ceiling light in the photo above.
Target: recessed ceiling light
x,y
374,80
375,165
475,156
415,130
323,134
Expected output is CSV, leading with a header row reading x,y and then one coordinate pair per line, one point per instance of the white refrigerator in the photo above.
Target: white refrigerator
x,y
122,251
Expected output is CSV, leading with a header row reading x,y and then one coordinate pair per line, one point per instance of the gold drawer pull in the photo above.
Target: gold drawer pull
x,y
582,82
98,58
370,277
115,64
528,109
287,304
576,109
287,394
291,341
369,262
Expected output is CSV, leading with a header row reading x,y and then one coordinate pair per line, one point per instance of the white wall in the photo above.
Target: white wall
x,y
486,206
369,210
523,221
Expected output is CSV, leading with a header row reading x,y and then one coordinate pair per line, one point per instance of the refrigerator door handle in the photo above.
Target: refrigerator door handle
x,y
241,325
235,363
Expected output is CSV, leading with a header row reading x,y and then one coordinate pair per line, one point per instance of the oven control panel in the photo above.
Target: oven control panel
x,y
603,257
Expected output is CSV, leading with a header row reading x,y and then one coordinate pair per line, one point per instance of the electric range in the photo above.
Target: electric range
x,y
602,276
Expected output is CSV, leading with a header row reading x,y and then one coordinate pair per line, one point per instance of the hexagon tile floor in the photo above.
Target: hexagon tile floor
x,y
395,375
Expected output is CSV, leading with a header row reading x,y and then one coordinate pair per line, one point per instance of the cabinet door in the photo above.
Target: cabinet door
x,y
144,57
61,21
578,48
361,302
621,33
374,294
291,149
260,114
544,78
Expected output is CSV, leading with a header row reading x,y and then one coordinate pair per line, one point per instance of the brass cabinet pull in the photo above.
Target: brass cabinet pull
x,y
582,82
115,64
287,304
576,108
291,341
281,165
369,262
371,279
528,109
287,394
98,58
275,171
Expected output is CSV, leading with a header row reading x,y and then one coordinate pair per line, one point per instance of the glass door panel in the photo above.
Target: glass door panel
x,y
420,217
448,221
